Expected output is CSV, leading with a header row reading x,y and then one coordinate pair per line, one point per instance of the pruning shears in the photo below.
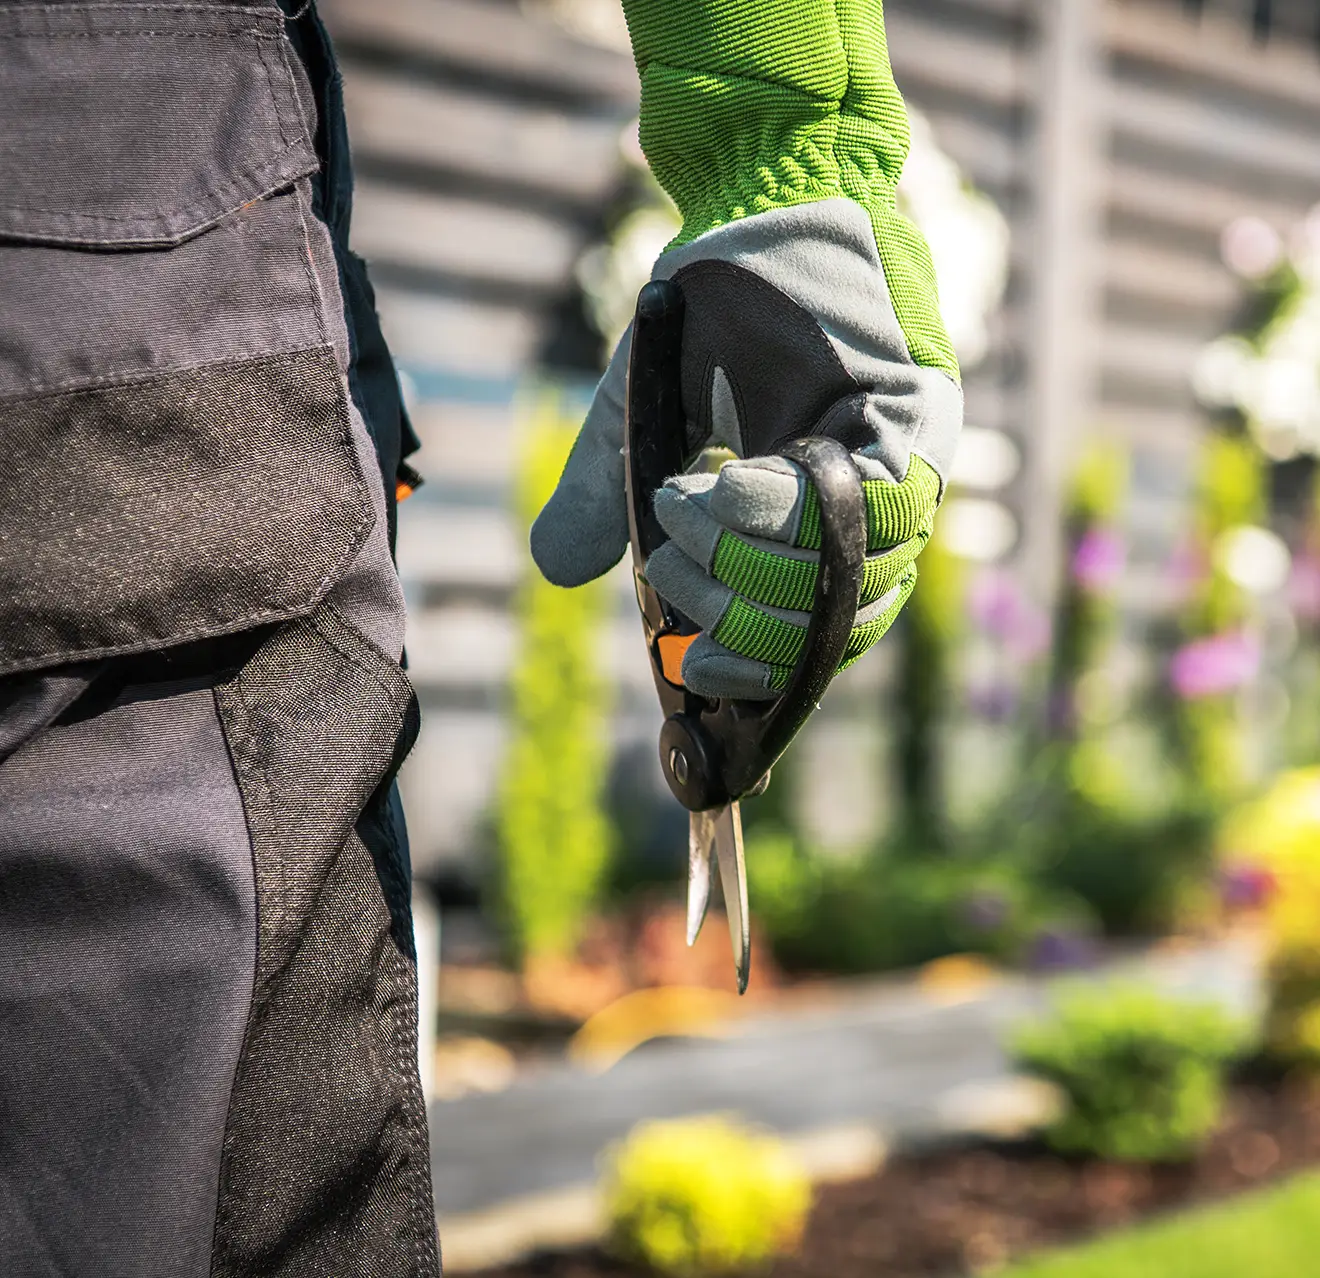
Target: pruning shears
x,y
715,753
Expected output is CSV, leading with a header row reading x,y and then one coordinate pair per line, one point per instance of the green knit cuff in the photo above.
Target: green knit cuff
x,y
753,105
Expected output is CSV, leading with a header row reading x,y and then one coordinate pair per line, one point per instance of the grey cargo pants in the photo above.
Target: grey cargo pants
x,y
207,986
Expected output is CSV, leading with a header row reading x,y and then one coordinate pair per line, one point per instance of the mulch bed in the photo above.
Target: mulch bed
x,y
959,1211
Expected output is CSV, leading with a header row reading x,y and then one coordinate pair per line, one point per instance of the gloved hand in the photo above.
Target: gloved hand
x,y
810,308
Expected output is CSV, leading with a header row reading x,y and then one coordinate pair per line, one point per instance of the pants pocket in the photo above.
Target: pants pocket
x,y
325,1157
176,459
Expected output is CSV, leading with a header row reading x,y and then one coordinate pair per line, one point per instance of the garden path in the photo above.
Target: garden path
x,y
915,1061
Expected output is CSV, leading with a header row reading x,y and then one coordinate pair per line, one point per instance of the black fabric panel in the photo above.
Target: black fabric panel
x,y
325,1166
195,504
784,374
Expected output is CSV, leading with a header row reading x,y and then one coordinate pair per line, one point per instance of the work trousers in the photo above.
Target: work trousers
x,y
208,1038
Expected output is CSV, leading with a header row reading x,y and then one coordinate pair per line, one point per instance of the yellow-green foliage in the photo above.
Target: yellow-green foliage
x,y
1278,836
1230,493
699,1196
1099,483
927,639
553,835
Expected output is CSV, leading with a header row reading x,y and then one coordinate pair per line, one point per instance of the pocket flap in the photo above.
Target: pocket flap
x,y
134,125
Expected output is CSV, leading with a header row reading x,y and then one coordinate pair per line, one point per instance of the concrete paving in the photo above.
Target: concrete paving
x,y
898,1057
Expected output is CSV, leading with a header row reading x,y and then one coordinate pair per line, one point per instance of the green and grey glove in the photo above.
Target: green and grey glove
x,y
810,308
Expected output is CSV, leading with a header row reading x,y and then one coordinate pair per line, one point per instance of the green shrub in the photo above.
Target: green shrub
x,y
927,639
554,839
700,1196
1142,1073
896,908
1133,868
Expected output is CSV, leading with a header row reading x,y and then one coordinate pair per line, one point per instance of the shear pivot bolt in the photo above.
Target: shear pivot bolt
x,y
678,765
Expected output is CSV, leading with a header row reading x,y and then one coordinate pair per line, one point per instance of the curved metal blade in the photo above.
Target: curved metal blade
x,y
701,851
733,879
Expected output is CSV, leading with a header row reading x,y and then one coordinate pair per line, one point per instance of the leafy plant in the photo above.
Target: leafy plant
x,y
927,639
1086,612
1218,654
1133,868
892,909
700,1196
1142,1073
554,839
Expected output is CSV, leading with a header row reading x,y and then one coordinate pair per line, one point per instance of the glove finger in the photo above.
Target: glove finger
x,y
711,670
582,531
763,571
759,632
895,512
688,586
762,496
785,577
776,636
769,497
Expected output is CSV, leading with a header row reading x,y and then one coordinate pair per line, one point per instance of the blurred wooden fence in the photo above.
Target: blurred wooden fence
x,y
1118,136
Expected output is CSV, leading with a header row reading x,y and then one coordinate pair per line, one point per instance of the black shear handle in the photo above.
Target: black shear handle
x,y
716,752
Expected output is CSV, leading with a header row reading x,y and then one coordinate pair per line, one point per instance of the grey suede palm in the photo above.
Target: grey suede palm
x,y
789,330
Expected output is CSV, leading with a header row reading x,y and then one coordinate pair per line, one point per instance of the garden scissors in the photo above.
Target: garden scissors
x,y
714,753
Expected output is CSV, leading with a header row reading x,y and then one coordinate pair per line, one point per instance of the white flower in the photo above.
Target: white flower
x,y
1251,247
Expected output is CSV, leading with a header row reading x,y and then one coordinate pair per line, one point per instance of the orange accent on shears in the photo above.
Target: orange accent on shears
x,y
402,490
673,648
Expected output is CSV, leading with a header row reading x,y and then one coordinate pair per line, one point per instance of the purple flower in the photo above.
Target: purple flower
x,y
1098,560
1304,586
1246,887
1188,567
997,605
995,602
1056,949
995,702
1218,664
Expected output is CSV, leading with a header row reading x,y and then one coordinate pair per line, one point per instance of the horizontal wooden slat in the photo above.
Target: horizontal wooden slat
x,y
463,133
1166,435
463,238
448,782
1200,206
480,340
1142,271
458,546
500,39
1149,356
1221,136
925,54
465,644
465,444
1216,49
990,157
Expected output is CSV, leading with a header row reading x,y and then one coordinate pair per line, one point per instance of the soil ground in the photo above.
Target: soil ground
x,y
958,1211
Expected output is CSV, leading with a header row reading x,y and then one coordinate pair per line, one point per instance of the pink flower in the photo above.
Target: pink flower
x,y
1246,887
1098,560
1304,587
1218,664
996,604
1188,568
